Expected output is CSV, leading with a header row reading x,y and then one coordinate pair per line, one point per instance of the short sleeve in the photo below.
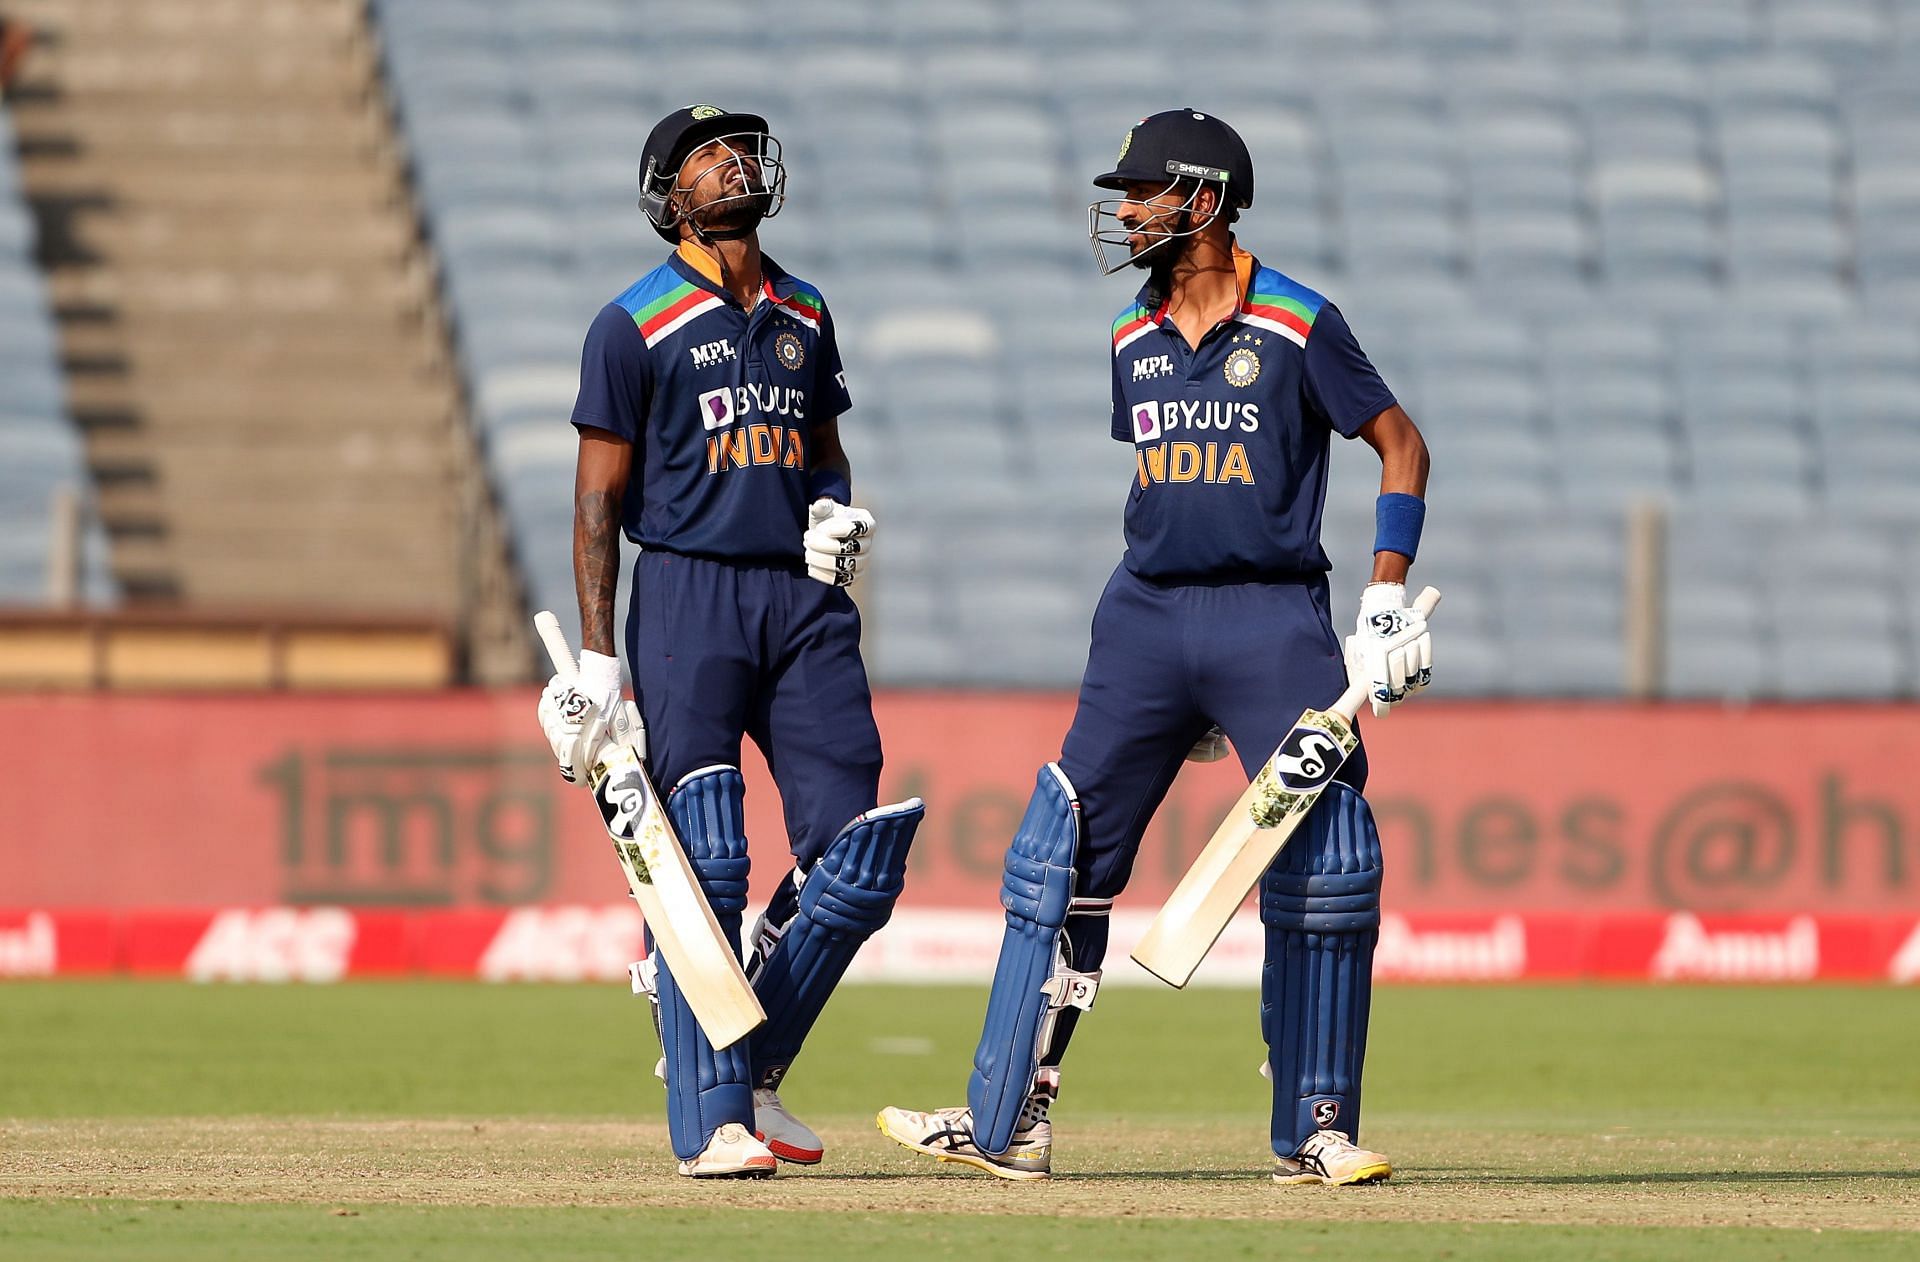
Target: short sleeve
x,y
1341,382
1122,426
830,397
615,379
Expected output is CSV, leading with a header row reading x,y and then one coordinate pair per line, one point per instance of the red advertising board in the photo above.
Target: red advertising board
x,y
450,800
313,837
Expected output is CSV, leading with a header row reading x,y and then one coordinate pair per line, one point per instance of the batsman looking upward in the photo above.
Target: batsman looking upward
x,y
1228,379
707,415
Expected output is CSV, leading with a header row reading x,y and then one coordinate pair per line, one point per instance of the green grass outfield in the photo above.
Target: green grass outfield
x,y
405,1120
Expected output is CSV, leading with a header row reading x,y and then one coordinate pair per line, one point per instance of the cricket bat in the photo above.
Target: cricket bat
x,y
1253,834
663,883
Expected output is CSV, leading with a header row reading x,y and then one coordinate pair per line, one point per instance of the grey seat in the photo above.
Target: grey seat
x,y
1578,28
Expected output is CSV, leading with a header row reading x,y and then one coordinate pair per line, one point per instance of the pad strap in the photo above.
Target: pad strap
x,y
1027,996
844,901
706,1088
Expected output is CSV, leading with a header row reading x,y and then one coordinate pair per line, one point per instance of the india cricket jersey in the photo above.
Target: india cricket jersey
x,y
1231,439
719,403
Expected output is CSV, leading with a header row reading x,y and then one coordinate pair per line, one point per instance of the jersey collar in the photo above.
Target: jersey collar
x,y
696,266
1244,266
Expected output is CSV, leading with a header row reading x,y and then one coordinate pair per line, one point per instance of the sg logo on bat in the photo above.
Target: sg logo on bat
x,y
1308,758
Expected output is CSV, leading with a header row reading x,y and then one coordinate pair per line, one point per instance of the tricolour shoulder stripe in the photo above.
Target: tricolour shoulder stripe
x,y
1280,305
804,305
1133,324
667,313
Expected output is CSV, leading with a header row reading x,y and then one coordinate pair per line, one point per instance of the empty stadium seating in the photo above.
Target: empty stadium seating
x,y
1607,252
41,454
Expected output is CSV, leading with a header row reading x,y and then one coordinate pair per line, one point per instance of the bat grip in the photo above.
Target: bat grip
x,y
1349,703
1426,602
556,643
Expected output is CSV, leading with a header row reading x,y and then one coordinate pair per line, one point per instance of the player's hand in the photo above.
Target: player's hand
x,y
838,542
1390,653
1209,748
583,718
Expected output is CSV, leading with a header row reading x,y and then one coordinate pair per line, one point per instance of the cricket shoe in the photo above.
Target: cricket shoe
x,y
732,1153
1331,1159
789,1138
948,1135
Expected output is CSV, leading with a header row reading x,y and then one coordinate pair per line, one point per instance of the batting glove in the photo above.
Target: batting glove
x,y
1390,653
1209,748
838,542
583,718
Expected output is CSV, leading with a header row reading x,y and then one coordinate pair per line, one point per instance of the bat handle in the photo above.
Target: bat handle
x,y
1426,602
556,641
1349,703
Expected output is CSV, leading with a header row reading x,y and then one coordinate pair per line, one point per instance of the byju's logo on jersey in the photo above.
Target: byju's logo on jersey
x,y
1148,367
1146,422
711,353
716,408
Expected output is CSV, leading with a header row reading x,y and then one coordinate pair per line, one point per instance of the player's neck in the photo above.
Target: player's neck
x,y
1203,289
732,265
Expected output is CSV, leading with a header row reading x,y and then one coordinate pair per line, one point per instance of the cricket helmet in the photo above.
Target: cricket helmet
x,y
750,147
1166,149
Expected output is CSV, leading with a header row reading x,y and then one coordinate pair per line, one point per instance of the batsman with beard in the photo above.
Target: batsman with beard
x,y
710,392
1229,380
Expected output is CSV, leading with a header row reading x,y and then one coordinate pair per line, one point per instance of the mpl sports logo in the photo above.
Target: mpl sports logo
x,y
1147,367
708,354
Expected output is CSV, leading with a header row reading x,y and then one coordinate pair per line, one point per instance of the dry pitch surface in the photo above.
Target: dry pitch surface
x,y
446,1120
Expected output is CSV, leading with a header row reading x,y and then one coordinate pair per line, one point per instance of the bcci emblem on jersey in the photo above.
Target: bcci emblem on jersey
x,y
1242,367
788,350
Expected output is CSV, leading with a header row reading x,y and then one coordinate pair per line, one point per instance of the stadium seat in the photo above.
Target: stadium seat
x,y
1743,178
1702,29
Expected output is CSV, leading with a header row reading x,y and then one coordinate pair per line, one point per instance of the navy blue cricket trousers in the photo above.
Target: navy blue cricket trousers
x,y
1169,661
720,649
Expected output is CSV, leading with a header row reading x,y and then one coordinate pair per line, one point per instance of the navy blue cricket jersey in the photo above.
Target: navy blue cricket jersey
x,y
1230,440
719,403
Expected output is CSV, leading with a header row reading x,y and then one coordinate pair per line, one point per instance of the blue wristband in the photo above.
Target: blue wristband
x,y
1397,519
831,484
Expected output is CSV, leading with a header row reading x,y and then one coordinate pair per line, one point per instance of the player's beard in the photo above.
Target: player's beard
x,y
731,215
1160,253
1162,256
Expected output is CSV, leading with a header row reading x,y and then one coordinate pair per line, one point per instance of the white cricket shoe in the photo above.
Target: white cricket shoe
x,y
732,1153
789,1138
1331,1159
948,1135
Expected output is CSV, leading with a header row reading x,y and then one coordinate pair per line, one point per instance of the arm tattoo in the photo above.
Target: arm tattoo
x,y
596,565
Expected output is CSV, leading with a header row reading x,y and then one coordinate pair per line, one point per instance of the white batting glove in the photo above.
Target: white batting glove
x,y
1209,748
837,543
583,718
1390,653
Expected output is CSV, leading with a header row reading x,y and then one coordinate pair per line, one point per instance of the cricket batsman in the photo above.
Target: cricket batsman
x,y
710,392
1229,380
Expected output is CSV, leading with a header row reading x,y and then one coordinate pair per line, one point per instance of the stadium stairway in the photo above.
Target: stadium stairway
x,y
249,325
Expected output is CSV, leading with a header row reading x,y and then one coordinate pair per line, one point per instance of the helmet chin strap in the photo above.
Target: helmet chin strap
x,y
726,234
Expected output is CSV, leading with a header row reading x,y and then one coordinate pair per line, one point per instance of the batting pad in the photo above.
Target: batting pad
x,y
1036,892
706,1088
843,901
1320,903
